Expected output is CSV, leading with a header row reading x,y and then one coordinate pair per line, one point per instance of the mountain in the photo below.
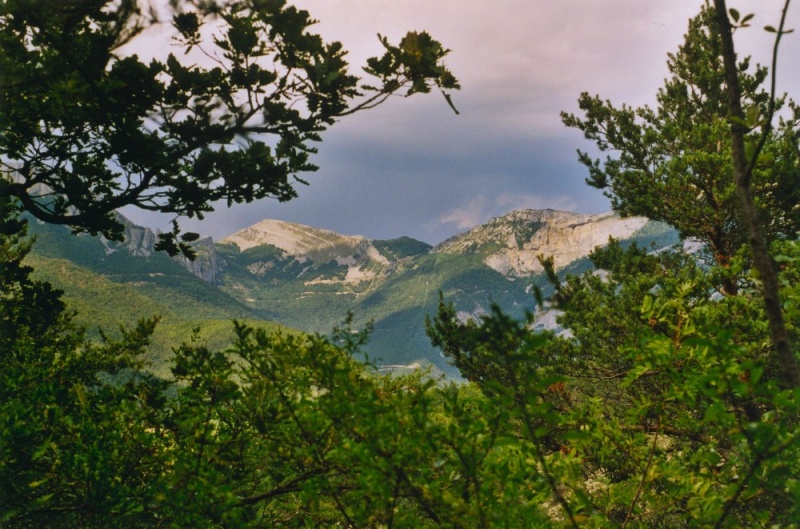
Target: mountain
x,y
309,278
322,256
512,243
113,283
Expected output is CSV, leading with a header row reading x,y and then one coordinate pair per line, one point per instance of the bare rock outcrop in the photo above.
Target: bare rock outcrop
x,y
513,243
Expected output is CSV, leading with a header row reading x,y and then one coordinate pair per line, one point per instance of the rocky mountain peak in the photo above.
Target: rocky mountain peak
x,y
312,247
298,240
139,241
511,244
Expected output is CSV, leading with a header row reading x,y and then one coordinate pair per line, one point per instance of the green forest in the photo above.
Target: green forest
x,y
671,399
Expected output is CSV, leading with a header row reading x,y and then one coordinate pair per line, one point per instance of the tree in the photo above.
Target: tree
x,y
28,307
87,129
659,408
743,177
68,406
673,164
664,405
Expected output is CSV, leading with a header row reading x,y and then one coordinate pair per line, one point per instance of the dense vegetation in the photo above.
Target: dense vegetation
x,y
665,405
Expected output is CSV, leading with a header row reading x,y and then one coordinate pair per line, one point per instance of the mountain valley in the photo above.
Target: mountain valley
x,y
308,278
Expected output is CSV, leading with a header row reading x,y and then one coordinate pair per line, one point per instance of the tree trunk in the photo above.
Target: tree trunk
x,y
758,243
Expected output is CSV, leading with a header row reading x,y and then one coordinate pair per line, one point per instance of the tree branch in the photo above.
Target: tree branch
x,y
767,127
741,173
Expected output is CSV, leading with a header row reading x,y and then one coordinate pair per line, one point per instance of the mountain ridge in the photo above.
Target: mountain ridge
x,y
560,224
519,238
310,278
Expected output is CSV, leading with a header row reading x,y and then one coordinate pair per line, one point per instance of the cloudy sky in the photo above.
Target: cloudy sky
x,y
412,167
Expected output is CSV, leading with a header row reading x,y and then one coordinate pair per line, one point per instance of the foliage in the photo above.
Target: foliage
x,y
88,127
396,249
673,163
661,406
280,430
51,398
27,306
290,430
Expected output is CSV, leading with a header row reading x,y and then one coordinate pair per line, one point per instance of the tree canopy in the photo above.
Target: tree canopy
x,y
231,115
673,163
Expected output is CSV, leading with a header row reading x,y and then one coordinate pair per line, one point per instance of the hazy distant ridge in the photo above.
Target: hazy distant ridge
x,y
310,278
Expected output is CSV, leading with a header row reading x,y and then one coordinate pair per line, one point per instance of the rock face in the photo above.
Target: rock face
x,y
138,241
313,246
512,244
207,265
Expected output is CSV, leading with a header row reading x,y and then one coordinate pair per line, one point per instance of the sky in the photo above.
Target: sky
x,y
413,168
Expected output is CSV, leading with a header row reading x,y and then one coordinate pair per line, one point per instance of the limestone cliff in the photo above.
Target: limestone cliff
x,y
140,242
315,247
207,265
137,241
511,244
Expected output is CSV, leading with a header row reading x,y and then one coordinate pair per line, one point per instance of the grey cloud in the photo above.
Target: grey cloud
x,y
413,168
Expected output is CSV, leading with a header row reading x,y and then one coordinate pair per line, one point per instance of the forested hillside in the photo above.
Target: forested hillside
x,y
310,279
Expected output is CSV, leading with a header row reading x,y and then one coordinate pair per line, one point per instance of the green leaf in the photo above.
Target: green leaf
x,y
753,113
734,14
647,305
187,24
38,483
